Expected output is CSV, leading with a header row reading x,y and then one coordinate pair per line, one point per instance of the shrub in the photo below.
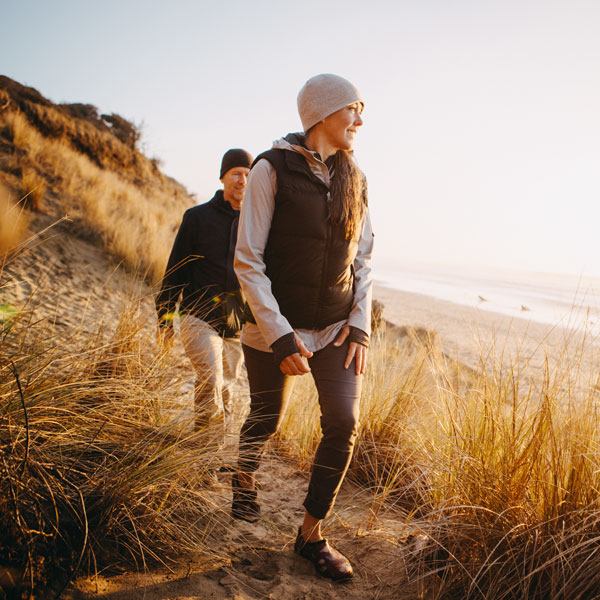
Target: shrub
x,y
136,224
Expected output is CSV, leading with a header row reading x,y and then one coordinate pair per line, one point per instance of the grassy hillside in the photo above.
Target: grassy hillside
x,y
91,467
67,159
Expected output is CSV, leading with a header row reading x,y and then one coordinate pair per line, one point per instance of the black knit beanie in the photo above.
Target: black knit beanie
x,y
236,157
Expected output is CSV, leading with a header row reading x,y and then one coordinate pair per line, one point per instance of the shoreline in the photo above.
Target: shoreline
x,y
549,299
470,333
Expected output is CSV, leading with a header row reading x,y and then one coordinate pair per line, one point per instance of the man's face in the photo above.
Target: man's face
x,y
234,185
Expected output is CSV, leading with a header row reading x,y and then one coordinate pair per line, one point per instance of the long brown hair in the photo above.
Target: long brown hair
x,y
348,194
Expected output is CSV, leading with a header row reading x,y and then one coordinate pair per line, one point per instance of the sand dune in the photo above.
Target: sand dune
x,y
255,561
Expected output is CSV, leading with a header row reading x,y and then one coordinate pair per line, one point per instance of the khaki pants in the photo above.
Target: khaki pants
x,y
218,363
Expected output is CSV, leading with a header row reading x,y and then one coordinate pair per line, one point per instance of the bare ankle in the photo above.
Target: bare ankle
x,y
311,536
311,529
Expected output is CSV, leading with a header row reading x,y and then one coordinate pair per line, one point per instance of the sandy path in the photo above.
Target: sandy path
x,y
256,561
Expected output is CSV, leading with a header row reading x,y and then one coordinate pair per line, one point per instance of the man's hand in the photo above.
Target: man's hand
x,y
296,364
164,337
356,351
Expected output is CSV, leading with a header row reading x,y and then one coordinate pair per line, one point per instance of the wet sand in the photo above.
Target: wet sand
x,y
475,336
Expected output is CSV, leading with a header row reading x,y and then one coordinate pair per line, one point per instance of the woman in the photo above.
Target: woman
x,y
302,260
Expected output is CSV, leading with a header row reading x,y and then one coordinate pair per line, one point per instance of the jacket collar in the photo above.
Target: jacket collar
x,y
219,203
294,144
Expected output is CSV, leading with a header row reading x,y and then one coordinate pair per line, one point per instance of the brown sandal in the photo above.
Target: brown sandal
x,y
327,561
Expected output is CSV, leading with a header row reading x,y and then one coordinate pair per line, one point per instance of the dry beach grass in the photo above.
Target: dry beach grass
x,y
93,474
69,160
465,486
497,474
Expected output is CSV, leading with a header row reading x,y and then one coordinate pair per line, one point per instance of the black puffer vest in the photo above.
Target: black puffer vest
x,y
307,258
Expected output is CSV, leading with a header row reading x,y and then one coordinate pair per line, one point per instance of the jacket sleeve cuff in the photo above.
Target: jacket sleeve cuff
x,y
284,346
359,336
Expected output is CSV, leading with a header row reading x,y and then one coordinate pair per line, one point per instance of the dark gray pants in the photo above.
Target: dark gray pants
x,y
339,396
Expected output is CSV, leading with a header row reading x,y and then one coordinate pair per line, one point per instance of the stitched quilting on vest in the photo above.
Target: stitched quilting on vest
x,y
308,260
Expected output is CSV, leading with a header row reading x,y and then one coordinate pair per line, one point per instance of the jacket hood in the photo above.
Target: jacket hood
x,y
294,142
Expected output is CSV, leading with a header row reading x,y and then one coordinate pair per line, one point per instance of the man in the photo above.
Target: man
x,y
200,277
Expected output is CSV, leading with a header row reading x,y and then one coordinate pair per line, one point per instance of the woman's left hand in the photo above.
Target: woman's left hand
x,y
355,351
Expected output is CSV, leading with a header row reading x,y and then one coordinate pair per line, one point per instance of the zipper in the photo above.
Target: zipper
x,y
328,239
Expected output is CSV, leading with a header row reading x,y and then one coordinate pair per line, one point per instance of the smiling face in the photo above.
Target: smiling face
x,y
340,127
234,186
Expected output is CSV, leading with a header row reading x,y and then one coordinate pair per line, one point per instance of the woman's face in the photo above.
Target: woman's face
x,y
341,126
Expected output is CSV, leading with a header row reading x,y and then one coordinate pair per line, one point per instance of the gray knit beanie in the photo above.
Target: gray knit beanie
x,y
322,95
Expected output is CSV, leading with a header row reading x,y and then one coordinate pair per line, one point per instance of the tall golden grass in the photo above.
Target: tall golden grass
x,y
498,477
13,224
136,224
94,472
70,160
34,189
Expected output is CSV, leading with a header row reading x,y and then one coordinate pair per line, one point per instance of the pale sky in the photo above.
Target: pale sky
x,y
481,140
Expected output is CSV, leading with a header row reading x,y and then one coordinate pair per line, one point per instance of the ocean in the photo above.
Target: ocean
x,y
569,301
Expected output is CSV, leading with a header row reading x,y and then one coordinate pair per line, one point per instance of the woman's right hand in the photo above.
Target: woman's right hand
x,y
296,364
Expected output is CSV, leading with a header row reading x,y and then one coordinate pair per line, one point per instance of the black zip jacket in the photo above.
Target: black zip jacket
x,y
200,269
